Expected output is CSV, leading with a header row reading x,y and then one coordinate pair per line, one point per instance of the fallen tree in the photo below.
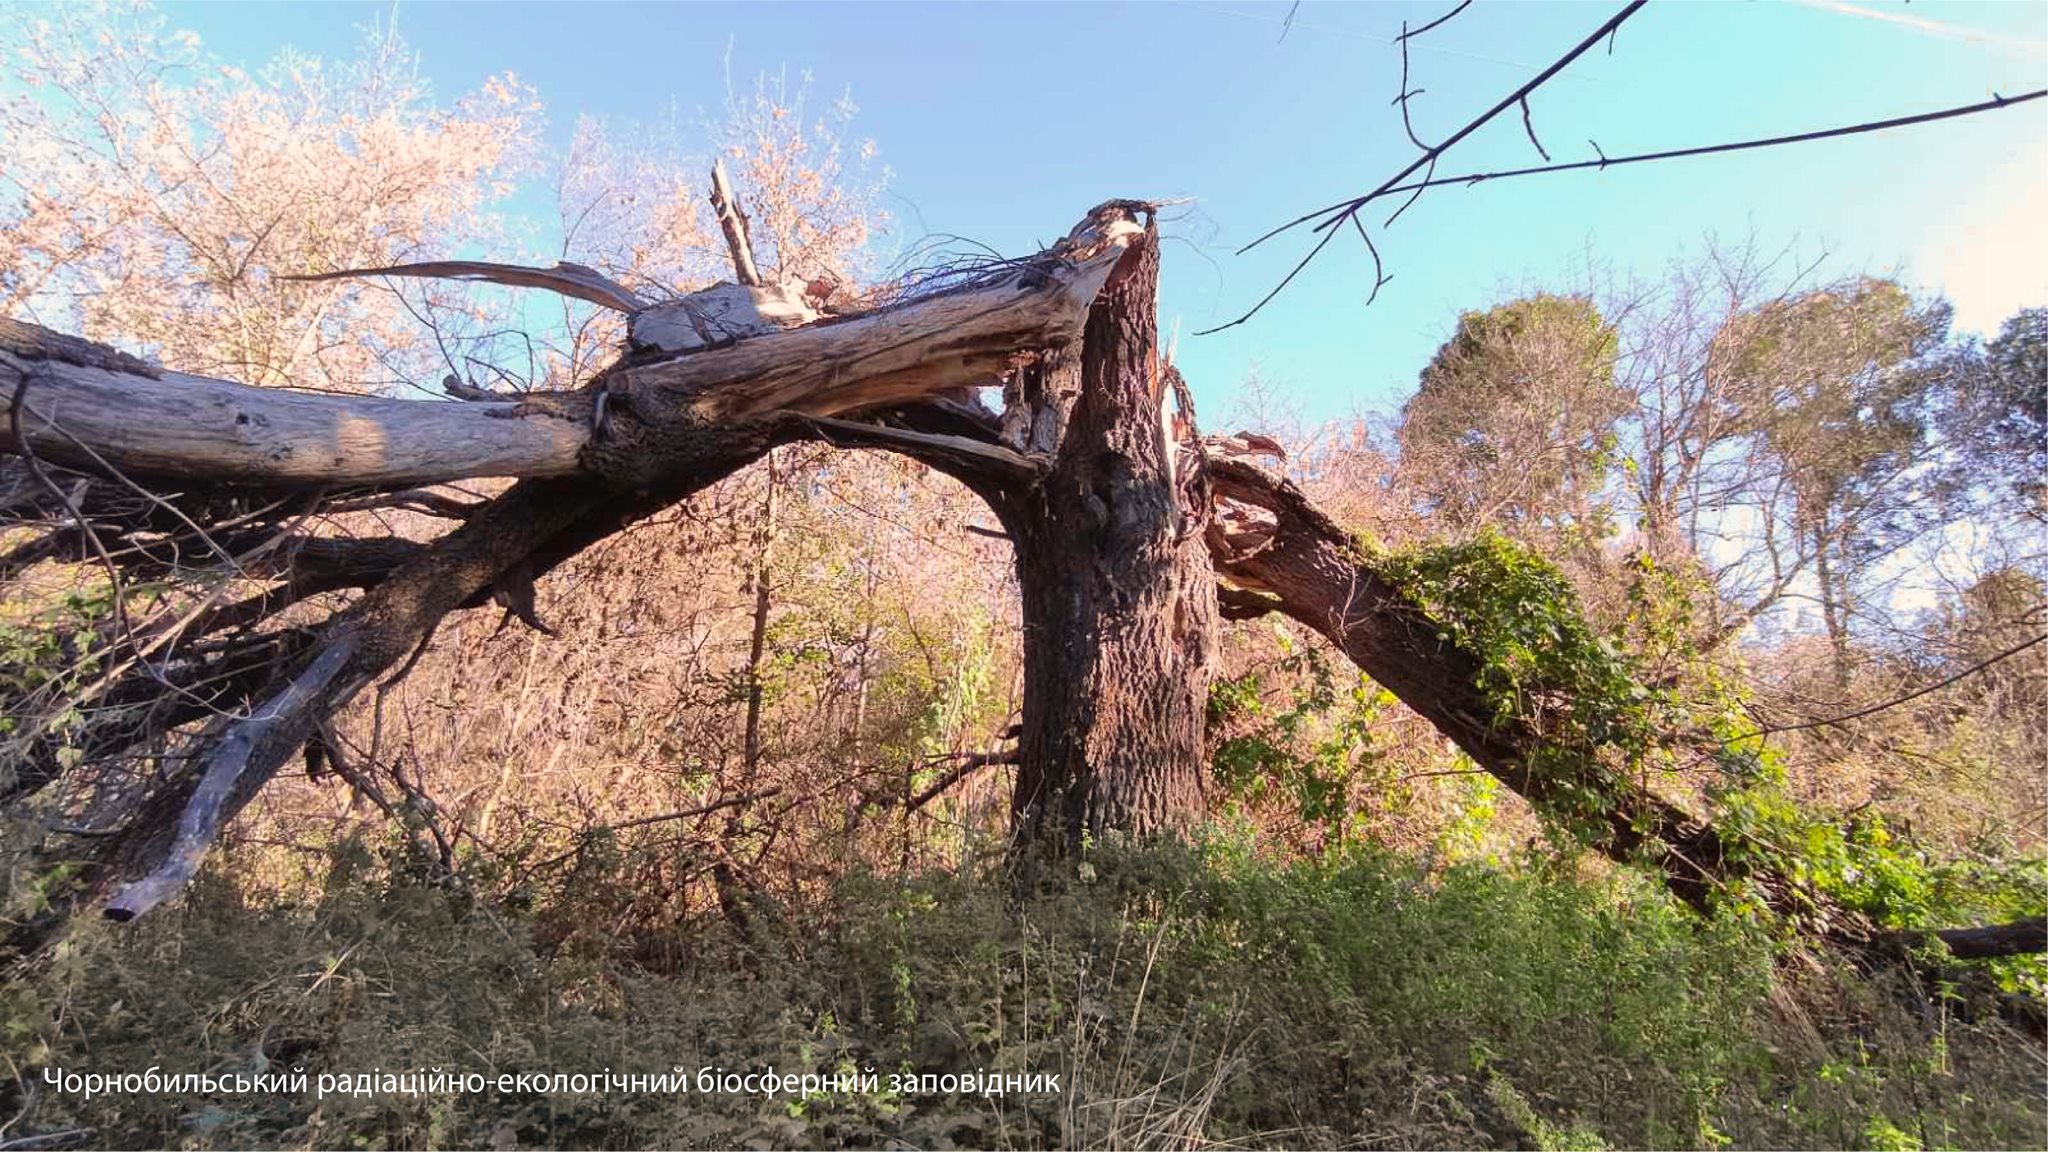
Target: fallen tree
x,y
1133,536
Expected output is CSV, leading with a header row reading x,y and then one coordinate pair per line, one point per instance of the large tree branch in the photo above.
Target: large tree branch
x,y
91,408
1271,541
532,526
110,415
2019,937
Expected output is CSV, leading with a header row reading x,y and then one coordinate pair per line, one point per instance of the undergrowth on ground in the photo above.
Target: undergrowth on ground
x,y
1181,997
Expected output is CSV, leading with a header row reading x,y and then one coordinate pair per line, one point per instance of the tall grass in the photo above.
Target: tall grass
x,y
1183,998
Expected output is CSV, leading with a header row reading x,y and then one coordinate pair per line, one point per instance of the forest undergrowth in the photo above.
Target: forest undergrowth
x,y
1174,997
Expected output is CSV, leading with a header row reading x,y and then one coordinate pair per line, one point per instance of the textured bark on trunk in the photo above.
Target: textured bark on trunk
x,y
757,643
1119,600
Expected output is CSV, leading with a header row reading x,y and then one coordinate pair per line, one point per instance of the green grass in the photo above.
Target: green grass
x,y
1182,997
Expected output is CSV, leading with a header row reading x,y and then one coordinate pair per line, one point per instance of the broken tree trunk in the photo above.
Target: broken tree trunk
x,y
1118,555
657,426
87,407
1119,603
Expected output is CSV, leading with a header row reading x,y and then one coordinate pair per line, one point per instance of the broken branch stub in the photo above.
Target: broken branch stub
x,y
738,239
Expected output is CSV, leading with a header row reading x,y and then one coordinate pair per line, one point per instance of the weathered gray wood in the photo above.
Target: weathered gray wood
x,y
573,280
853,432
97,408
201,429
721,314
899,354
738,238
212,801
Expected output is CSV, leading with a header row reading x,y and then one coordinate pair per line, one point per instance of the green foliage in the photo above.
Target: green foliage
x,y
1183,997
1306,753
48,651
1823,377
1542,666
1514,422
1997,415
1599,725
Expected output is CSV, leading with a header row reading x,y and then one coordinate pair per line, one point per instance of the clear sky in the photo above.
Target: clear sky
x,y
1003,122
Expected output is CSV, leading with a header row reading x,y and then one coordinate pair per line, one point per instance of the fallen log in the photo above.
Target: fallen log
x,y
1985,942
1282,553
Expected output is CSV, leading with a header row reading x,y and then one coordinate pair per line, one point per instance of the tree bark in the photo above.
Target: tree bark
x,y
757,640
1119,603
2017,938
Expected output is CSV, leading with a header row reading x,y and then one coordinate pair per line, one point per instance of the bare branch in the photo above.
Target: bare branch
x,y
733,222
211,804
1529,126
968,763
1894,702
2017,938
1995,104
960,448
1436,23
1351,207
565,278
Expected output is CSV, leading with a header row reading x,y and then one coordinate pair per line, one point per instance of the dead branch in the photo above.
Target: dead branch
x,y
1349,209
2018,938
738,240
571,280
96,409
739,801
965,764
1330,219
1603,161
285,718
963,450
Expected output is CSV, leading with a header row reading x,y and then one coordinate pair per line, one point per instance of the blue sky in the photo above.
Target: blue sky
x,y
1003,122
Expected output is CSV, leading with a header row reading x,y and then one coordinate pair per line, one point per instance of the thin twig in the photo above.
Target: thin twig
x,y
969,764
1860,713
1352,206
1287,25
687,813
1436,23
1994,104
1529,126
